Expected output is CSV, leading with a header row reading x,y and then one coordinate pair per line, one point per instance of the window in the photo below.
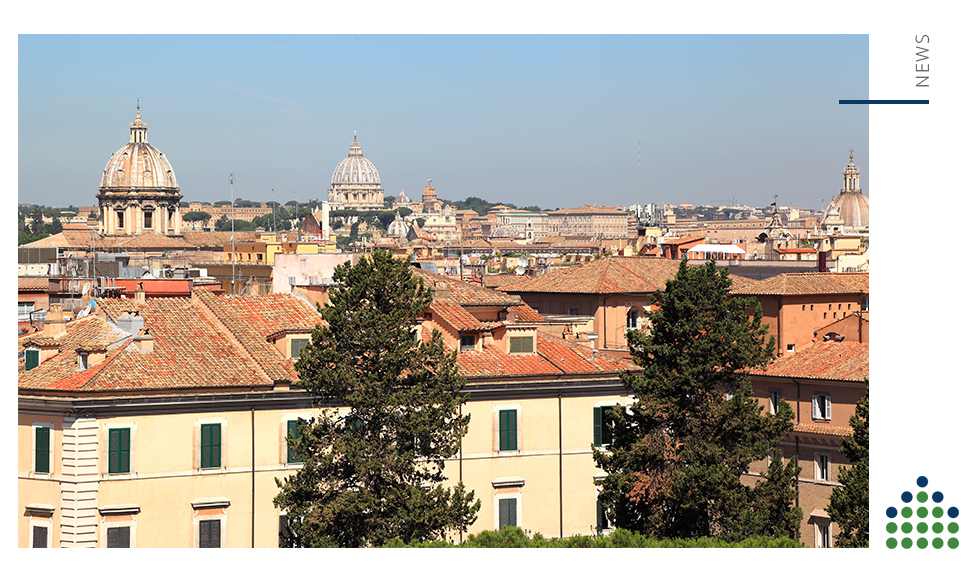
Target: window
x,y
210,446
520,344
822,467
209,534
24,309
117,538
507,512
602,435
791,347
148,220
774,397
39,537
467,342
42,449
294,455
507,430
573,311
296,347
118,450
121,218
32,358
823,534
632,317
602,523
821,407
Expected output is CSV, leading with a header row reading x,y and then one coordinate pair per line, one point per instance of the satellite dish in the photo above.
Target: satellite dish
x,y
523,261
84,290
520,271
465,259
84,312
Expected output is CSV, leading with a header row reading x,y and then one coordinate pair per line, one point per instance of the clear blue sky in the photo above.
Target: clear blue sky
x,y
546,120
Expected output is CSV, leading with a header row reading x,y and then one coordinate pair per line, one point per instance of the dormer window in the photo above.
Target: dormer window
x,y
82,360
32,358
296,346
468,342
521,344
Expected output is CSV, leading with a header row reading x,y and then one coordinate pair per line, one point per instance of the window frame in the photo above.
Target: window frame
x,y
209,522
600,412
497,431
821,466
126,453
31,353
520,340
48,530
818,412
118,529
467,342
46,428
634,314
198,443
775,401
822,536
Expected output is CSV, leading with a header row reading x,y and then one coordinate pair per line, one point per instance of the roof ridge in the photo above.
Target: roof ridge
x,y
211,313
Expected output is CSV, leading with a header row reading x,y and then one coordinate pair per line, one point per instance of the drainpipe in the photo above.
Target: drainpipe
x,y
797,440
605,321
252,478
559,396
779,337
460,474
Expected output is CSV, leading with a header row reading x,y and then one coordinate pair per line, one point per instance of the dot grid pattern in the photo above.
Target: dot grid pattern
x,y
919,525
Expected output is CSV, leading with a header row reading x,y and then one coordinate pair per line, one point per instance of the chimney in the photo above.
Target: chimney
x,y
131,322
144,341
54,324
140,296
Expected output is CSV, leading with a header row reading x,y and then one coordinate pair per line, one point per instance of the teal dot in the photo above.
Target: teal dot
x,y
937,512
953,543
922,543
922,512
892,528
922,496
937,528
922,528
906,542
906,512
953,527
906,527
936,543
891,542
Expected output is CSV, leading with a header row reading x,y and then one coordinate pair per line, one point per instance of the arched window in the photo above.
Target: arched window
x,y
632,316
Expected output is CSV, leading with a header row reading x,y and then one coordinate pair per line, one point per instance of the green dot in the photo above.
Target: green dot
x,y
922,512
922,527
891,542
922,543
953,543
892,528
906,512
937,512
953,527
937,527
906,527
906,542
922,496
936,543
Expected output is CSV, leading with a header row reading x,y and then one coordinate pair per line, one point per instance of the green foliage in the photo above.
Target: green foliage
x,y
515,538
849,505
224,225
196,217
678,453
376,474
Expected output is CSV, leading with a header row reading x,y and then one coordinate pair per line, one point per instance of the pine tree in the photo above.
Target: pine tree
x,y
678,453
849,505
374,474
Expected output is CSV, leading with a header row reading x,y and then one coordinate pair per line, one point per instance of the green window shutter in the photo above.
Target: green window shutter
x,y
210,446
508,430
293,454
118,538
40,538
597,426
118,451
32,358
507,512
42,448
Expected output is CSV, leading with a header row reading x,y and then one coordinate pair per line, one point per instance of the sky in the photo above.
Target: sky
x,y
546,120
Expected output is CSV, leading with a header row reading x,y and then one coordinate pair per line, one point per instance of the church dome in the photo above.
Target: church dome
x,y
138,166
398,228
851,204
355,169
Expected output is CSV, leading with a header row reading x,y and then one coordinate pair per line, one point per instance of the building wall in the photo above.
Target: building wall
x,y
792,319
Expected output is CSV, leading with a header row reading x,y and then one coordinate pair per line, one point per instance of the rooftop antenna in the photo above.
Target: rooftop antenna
x,y
233,251
274,221
638,178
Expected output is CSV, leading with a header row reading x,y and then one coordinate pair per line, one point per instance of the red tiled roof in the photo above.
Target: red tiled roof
x,y
824,429
458,317
467,294
615,274
155,287
809,283
554,356
32,283
846,361
154,240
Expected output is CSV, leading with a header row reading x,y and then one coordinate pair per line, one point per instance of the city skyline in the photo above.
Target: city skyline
x,y
553,121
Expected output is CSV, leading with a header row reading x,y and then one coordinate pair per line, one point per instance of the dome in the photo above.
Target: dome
x,y
138,166
398,228
402,198
355,169
850,204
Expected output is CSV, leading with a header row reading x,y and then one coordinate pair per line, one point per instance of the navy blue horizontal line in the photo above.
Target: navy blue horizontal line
x,y
884,101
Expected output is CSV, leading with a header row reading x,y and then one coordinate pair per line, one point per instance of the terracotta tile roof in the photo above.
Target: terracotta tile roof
x,y
846,361
824,429
155,287
554,356
154,240
32,283
500,280
84,331
526,314
458,317
199,239
616,274
466,294
809,283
